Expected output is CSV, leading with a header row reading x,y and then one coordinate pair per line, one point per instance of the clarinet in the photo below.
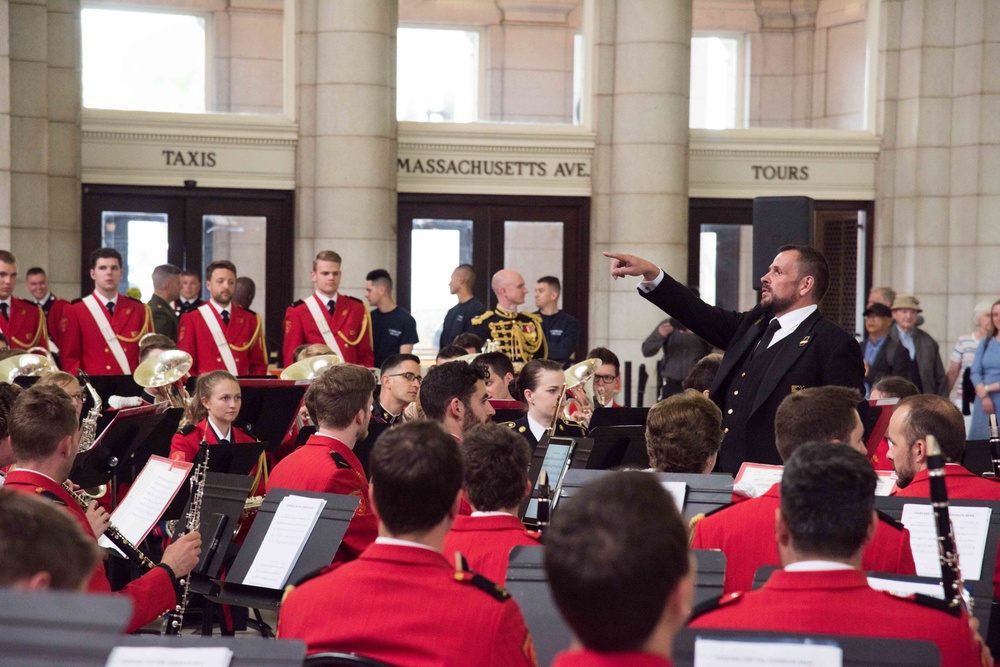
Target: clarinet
x,y
951,573
175,619
131,551
995,445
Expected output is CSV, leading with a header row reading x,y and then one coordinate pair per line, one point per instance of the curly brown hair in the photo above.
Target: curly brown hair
x,y
683,432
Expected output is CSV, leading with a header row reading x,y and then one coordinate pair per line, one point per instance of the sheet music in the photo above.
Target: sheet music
x,y
158,656
147,499
905,588
970,524
678,490
733,653
287,535
885,483
754,479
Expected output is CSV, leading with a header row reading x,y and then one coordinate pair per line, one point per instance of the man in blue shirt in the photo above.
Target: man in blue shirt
x,y
458,320
883,355
562,330
394,331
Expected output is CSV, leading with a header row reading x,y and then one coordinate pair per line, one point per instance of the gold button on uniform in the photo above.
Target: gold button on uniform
x,y
725,430
729,411
743,374
736,393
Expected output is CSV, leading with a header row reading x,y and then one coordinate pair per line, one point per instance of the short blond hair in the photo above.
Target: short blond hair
x,y
327,256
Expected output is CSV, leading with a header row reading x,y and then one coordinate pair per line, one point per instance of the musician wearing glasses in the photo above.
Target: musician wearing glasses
x,y
540,386
341,322
607,378
22,322
399,386
45,436
339,402
826,517
219,335
100,333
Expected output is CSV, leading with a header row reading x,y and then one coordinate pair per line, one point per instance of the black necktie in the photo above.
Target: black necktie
x,y
768,336
224,441
3,309
330,305
111,308
225,317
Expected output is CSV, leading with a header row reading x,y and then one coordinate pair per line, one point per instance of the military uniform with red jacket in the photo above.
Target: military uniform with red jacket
x,y
486,541
244,334
840,602
151,595
327,465
54,309
82,345
744,531
405,605
25,326
350,325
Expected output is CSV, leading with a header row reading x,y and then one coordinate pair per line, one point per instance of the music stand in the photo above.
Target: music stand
x,y
158,442
604,417
269,407
247,651
711,574
234,458
977,457
528,583
616,446
317,553
858,651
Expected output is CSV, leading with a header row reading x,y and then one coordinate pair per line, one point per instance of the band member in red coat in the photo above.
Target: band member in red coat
x,y
38,286
340,321
401,601
219,335
745,530
22,322
339,402
826,517
495,482
45,436
617,560
100,332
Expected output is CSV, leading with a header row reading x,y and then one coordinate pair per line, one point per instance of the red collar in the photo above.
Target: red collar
x,y
394,553
826,579
491,523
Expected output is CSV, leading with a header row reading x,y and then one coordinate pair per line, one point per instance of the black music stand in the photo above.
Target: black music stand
x,y
269,407
616,446
858,651
605,417
234,458
705,493
158,441
114,449
317,553
711,574
978,458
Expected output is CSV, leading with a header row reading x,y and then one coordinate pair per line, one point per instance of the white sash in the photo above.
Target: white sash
x,y
212,320
319,316
100,316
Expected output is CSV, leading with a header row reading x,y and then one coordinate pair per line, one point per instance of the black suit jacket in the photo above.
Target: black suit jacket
x,y
824,354
892,359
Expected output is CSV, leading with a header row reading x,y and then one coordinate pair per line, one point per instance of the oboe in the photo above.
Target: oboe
x,y
112,533
995,445
951,573
175,619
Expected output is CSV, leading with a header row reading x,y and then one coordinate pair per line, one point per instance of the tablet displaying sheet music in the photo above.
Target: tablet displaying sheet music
x,y
555,464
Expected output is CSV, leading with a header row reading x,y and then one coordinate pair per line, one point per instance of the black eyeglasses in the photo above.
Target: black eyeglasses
x,y
410,377
605,379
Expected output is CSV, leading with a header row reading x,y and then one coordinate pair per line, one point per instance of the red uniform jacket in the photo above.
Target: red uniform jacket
x,y
962,485
53,316
327,465
404,605
587,658
245,335
151,595
350,323
184,446
81,344
841,603
486,541
26,327
745,533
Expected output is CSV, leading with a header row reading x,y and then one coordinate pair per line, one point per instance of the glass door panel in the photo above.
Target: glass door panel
x,y
142,239
436,248
533,249
242,239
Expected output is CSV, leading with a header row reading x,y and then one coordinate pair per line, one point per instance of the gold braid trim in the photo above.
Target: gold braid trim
x,y
146,323
253,339
365,326
260,477
695,520
38,332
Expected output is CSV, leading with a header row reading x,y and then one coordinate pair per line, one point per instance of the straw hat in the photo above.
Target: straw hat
x,y
907,301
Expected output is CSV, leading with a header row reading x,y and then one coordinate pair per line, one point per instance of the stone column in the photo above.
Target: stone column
x,y
938,181
347,137
640,199
5,175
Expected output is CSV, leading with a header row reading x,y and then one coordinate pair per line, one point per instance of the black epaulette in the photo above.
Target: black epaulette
x,y
76,301
339,460
929,601
252,312
719,509
889,520
479,319
298,303
187,429
714,603
465,575
310,575
354,298
51,496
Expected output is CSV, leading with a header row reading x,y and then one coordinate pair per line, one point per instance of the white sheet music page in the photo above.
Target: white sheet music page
x,y
147,499
287,535
754,479
970,524
736,653
885,483
158,656
905,588
678,490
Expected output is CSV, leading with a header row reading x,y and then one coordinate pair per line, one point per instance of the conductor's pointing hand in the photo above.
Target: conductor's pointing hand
x,y
630,265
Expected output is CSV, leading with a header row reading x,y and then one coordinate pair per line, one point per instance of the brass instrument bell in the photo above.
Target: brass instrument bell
x,y
164,369
30,365
307,369
579,380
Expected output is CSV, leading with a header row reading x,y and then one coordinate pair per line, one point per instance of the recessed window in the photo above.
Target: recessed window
x,y
437,71
143,61
717,90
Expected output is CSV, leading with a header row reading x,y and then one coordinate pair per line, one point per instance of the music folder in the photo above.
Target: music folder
x,y
317,552
114,448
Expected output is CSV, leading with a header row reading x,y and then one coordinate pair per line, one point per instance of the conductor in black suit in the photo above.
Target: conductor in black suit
x,y
778,347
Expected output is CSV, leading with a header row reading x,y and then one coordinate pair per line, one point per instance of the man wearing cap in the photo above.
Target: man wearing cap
x,y
883,355
922,347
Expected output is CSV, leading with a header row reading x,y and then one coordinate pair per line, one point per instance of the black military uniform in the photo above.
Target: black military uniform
x,y
564,429
519,335
382,416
